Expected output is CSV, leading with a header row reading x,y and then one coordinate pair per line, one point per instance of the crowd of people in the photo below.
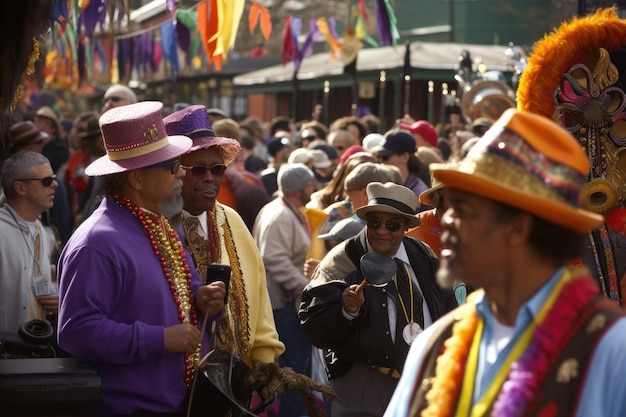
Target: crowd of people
x,y
353,270
147,202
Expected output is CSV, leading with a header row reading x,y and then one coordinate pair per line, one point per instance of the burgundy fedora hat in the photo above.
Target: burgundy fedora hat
x,y
135,137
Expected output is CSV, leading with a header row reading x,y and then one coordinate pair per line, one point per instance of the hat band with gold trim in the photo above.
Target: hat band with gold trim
x,y
515,164
151,142
135,152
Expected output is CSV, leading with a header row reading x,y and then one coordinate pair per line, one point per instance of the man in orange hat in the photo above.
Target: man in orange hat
x,y
537,339
130,302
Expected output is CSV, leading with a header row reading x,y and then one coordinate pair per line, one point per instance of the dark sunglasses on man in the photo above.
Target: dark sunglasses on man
x,y
200,171
173,165
114,99
45,181
392,226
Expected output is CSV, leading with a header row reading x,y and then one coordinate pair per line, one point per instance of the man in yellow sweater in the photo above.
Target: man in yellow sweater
x,y
215,233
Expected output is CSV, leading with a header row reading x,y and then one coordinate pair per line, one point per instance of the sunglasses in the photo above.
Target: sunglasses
x,y
390,225
200,171
114,99
45,181
173,165
309,138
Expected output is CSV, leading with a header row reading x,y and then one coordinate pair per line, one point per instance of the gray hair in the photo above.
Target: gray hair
x,y
368,172
342,133
19,166
130,94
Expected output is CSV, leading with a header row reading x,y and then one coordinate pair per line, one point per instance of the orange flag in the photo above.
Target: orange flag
x,y
335,44
203,25
260,13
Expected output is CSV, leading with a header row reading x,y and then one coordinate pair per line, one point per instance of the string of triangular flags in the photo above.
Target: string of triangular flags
x,y
208,28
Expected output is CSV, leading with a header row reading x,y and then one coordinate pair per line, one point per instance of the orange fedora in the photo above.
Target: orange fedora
x,y
529,162
435,184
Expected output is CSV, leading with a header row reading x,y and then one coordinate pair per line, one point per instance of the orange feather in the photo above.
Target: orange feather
x,y
553,56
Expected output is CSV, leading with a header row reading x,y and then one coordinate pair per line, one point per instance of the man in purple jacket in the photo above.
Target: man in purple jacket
x,y
130,302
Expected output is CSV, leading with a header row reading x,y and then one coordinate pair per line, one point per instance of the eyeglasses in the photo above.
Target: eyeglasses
x,y
114,99
172,164
390,225
45,181
200,171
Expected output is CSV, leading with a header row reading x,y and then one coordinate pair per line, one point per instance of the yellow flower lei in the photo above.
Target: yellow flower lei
x,y
450,365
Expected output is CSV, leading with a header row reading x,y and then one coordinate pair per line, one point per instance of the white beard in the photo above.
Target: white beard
x,y
173,203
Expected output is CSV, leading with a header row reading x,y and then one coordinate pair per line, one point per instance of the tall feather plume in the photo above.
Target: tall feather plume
x,y
553,55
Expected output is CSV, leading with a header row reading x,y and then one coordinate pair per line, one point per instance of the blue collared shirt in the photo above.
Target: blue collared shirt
x,y
603,391
525,316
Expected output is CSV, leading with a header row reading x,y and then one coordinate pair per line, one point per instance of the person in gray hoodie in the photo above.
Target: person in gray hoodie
x,y
27,288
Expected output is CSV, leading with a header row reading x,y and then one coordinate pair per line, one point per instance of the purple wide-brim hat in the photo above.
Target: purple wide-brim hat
x,y
194,123
135,137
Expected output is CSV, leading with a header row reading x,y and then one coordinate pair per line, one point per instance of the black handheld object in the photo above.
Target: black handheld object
x,y
219,272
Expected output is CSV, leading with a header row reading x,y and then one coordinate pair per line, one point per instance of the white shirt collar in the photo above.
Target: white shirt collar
x,y
203,223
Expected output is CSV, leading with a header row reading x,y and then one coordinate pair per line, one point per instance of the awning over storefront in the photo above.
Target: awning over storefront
x,y
429,60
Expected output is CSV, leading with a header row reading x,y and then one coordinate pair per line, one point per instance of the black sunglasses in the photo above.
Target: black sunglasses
x,y
45,181
392,226
172,164
114,99
200,171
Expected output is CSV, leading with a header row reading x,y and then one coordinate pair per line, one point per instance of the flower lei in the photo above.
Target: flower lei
x,y
450,365
169,251
527,373
548,340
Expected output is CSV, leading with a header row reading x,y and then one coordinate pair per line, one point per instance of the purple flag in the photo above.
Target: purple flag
x,y
168,42
384,26
296,28
170,4
183,36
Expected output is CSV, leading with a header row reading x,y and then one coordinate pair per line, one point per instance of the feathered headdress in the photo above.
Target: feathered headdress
x,y
553,56
576,75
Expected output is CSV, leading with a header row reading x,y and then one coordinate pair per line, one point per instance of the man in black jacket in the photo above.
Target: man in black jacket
x,y
367,333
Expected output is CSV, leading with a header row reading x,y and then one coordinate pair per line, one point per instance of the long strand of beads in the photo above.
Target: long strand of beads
x,y
169,251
